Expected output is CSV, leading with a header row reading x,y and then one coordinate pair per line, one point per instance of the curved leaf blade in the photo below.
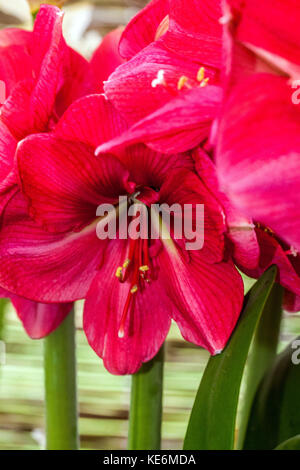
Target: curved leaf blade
x,y
213,418
291,444
275,415
262,354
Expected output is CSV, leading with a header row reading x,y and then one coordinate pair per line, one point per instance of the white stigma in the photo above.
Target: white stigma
x,y
159,80
293,251
121,334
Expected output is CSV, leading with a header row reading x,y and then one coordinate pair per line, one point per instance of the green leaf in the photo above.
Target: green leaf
x,y
291,444
213,419
275,415
262,354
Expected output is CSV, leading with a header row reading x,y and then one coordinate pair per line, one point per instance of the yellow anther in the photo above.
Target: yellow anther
x,y
144,268
181,82
204,82
201,74
119,273
134,289
126,263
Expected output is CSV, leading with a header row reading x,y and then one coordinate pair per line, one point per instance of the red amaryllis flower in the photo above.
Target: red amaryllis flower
x,y
41,73
42,76
68,76
133,287
169,87
257,138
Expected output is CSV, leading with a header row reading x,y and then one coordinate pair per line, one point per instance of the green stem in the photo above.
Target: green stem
x,y
146,405
60,387
3,304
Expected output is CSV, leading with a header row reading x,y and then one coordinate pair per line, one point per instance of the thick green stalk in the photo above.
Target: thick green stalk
x,y
146,405
3,304
60,387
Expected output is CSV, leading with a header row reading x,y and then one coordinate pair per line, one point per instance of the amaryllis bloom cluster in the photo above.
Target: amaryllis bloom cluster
x,y
190,104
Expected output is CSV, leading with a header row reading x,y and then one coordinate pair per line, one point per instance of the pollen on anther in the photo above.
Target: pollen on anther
x,y
181,82
204,82
134,289
119,274
201,74
144,268
126,263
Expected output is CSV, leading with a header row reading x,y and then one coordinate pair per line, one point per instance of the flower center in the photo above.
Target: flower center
x,y
138,270
183,82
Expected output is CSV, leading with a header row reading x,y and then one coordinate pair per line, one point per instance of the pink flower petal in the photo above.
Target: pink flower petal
x,y
254,158
8,179
150,168
146,326
180,125
76,81
240,230
271,252
195,31
277,33
141,30
15,57
91,120
106,57
30,104
43,266
208,297
137,78
39,319
65,187
185,187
